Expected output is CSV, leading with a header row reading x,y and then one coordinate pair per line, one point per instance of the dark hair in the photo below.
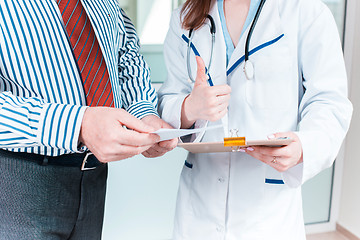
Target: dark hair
x,y
195,13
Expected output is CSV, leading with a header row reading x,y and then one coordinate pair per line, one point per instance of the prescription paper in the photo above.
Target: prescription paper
x,y
167,134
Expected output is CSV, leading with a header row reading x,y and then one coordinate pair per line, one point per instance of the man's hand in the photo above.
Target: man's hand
x,y
103,133
158,149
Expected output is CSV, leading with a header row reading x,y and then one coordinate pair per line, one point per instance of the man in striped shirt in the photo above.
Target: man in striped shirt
x,y
73,88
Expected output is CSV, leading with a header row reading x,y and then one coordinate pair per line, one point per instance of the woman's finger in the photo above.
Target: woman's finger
x,y
201,78
223,99
273,151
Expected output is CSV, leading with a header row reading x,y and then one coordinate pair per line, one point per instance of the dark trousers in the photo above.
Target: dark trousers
x,y
50,202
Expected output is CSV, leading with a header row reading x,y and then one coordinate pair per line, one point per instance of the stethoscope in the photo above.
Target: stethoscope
x,y
191,35
248,66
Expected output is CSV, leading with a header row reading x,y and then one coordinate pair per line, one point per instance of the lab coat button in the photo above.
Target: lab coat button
x,y
220,229
221,180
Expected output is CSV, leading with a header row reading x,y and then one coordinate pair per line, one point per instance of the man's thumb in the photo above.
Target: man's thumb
x,y
201,77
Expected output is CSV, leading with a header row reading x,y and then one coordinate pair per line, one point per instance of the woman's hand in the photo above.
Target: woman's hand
x,y
205,102
280,158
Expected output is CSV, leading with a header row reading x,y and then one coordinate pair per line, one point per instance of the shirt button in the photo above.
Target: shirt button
x,y
221,180
219,229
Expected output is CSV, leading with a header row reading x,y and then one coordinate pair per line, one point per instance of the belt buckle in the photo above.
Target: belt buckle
x,y
83,165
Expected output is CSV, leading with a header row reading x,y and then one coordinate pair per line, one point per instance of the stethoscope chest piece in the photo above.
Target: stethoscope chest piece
x,y
249,70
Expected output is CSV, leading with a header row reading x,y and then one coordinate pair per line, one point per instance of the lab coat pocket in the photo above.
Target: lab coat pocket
x,y
184,208
271,86
281,208
188,165
273,177
186,174
186,182
274,190
274,186
274,181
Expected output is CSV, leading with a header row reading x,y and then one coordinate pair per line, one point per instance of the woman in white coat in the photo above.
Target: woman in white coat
x,y
298,90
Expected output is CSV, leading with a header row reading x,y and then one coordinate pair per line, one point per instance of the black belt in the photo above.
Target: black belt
x,y
85,161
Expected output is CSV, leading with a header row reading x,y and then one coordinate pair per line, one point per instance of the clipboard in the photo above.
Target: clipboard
x,y
232,145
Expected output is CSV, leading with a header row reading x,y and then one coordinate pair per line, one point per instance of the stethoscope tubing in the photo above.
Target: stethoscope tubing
x,y
191,35
252,27
213,32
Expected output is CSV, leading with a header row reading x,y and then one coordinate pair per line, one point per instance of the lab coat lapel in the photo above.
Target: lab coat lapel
x,y
268,28
219,68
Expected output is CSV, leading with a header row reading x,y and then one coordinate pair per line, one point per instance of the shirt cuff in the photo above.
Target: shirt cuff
x,y
314,159
171,112
60,126
196,137
293,177
142,109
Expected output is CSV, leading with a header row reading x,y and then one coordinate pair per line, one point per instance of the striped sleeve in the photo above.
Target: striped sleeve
x,y
30,122
138,95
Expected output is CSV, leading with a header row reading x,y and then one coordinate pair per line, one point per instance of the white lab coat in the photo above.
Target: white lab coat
x,y
300,85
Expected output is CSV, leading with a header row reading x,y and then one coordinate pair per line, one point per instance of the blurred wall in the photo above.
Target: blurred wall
x,y
349,216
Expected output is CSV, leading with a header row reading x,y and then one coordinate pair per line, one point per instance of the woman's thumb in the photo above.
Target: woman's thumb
x,y
201,77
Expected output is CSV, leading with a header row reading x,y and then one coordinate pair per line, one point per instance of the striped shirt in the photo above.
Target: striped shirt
x,y
42,99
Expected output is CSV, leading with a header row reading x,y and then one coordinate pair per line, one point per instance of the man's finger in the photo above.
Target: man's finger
x,y
122,152
153,153
133,138
169,144
133,123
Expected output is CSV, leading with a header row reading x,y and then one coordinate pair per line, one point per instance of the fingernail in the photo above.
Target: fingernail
x,y
272,136
242,150
250,149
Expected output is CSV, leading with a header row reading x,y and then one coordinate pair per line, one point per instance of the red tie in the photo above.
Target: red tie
x,y
88,54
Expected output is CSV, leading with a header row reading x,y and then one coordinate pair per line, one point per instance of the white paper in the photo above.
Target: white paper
x,y
167,134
